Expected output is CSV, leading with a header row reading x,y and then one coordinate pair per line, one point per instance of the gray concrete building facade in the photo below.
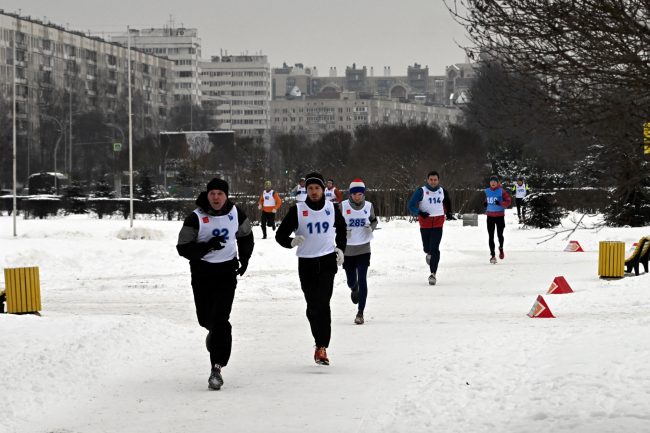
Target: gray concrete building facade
x,y
62,73
236,91
314,116
183,47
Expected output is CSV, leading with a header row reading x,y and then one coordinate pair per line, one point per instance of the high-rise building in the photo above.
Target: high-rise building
x,y
183,47
236,91
62,74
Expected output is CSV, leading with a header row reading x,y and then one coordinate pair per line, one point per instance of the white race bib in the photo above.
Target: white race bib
x,y
432,201
357,222
226,226
318,229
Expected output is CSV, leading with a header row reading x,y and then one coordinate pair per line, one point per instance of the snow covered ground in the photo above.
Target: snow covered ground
x,y
118,349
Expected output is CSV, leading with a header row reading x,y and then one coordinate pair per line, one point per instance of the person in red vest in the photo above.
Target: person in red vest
x,y
431,203
332,193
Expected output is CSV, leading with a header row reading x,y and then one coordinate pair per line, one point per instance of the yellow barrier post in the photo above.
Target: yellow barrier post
x,y
611,259
23,290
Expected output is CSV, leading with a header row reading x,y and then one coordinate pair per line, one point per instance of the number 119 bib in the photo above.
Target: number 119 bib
x,y
318,229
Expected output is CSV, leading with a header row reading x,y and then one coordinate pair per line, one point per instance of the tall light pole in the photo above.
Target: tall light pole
x,y
70,132
128,43
14,129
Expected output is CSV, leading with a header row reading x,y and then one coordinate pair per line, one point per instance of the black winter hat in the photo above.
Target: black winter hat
x,y
219,184
315,177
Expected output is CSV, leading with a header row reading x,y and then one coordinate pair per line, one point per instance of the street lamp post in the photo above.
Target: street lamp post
x,y
128,33
14,130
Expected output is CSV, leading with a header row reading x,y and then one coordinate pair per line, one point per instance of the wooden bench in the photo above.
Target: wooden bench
x,y
640,255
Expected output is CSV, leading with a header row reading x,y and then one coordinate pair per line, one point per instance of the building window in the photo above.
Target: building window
x,y
91,55
70,50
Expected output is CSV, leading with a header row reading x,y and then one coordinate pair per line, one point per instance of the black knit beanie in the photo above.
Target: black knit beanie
x,y
316,178
219,184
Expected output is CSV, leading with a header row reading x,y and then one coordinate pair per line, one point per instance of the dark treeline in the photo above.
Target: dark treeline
x,y
384,156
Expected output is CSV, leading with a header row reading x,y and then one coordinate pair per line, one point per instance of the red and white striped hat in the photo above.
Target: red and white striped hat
x,y
357,185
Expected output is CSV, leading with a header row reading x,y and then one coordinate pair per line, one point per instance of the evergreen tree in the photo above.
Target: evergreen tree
x,y
103,189
629,205
145,190
543,211
74,198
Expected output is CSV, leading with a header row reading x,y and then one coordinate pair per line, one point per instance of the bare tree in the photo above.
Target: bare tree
x,y
591,61
576,47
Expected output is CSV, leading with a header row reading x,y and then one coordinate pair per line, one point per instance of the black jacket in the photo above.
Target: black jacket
x,y
191,249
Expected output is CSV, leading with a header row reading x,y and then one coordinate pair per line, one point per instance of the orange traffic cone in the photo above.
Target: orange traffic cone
x,y
559,286
540,309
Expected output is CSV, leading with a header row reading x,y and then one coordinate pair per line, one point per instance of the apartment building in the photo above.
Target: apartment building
x,y
182,46
236,90
416,86
61,74
315,116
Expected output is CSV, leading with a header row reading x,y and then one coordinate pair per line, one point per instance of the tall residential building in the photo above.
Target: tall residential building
x,y
183,47
314,116
237,90
62,74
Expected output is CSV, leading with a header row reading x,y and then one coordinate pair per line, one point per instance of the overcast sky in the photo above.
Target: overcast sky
x,y
322,33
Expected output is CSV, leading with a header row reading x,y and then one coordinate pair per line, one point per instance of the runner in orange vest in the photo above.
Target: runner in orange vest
x,y
269,204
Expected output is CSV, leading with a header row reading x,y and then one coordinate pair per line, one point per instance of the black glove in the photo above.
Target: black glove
x,y
450,216
216,242
496,202
243,265
423,214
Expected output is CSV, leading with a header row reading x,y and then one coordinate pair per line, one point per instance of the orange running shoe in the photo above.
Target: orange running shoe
x,y
320,356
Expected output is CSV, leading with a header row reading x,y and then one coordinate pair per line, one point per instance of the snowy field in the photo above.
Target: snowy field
x,y
118,349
